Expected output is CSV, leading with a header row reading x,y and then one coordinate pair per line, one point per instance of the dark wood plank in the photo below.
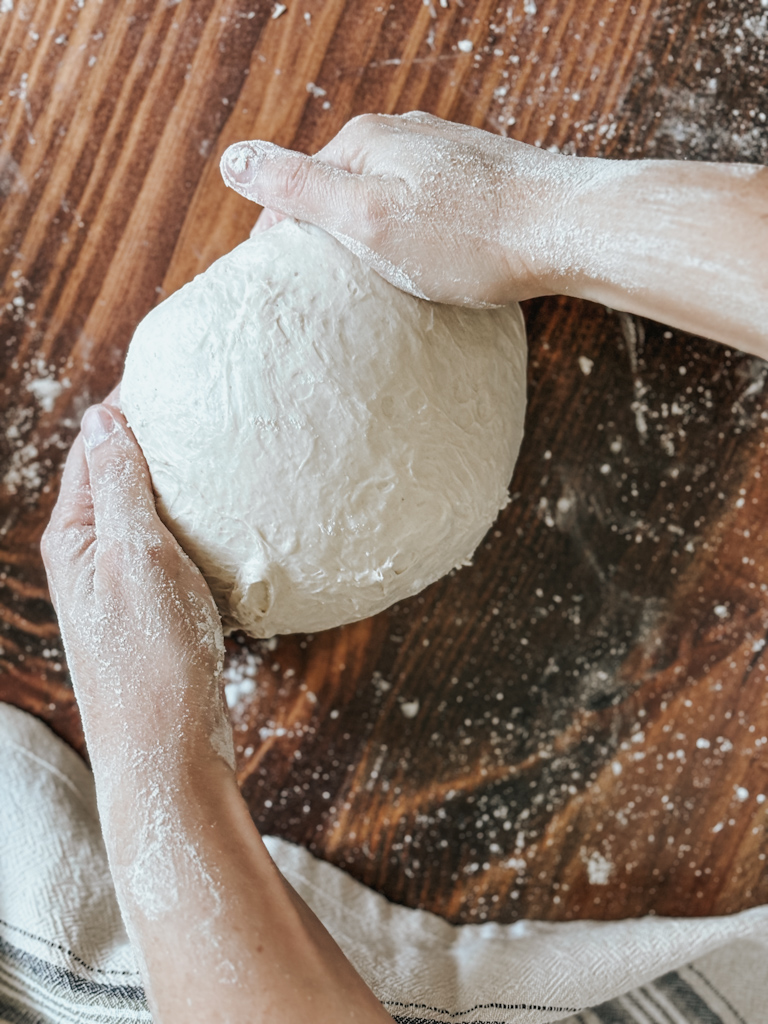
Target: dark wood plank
x,y
576,725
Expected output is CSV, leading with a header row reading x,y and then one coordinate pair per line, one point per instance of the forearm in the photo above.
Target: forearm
x,y
683,243
218,931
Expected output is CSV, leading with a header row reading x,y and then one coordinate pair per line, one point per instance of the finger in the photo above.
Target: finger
x,y
71,523
74,505
119,478
266,220
300,186
74,501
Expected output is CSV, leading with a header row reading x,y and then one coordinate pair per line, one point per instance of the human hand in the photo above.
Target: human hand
x,y
140,628
144,646
443,210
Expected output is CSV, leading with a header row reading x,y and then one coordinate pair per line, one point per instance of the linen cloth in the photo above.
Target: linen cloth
x,y
65,956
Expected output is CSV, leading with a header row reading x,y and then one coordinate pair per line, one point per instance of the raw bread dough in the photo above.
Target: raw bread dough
x,y
321,443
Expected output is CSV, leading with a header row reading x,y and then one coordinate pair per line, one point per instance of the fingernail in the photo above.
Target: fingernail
x,y
240,163
97,425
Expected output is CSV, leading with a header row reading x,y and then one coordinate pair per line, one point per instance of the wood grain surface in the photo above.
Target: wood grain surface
x,y
575,726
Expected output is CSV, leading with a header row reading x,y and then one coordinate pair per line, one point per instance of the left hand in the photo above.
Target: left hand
x,y
445,211
140,628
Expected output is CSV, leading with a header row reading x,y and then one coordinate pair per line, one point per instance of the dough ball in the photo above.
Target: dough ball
x,y
321,443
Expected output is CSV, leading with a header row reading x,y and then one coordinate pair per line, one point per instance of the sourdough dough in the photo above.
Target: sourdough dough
x,y
321,443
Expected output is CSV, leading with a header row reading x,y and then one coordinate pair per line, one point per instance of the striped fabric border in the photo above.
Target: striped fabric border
x,y
680,997
416,1011
34,991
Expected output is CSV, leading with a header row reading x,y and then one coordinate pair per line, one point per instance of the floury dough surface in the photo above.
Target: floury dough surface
x,y
321,443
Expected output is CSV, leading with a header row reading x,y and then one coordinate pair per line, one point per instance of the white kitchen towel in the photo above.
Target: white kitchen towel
x,y
65,957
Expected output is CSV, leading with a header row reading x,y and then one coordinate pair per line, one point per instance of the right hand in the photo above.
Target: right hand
x,y
448,212
139,624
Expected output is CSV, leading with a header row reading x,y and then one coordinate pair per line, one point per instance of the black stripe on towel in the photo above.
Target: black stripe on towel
x,y
16,1015
62,949
614,1013
446,1016
675,989
686,1000
33,991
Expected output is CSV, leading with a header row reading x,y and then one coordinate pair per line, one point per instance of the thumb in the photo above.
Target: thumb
x,y
121,487
300,186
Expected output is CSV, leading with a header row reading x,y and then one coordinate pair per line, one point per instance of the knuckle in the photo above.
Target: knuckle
x,y
362,124
62,544
375,215
419,117
295,178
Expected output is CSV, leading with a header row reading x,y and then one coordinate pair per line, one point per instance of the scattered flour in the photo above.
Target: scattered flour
x,y
599,868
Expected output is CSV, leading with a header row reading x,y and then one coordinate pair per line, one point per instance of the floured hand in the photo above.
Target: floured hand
x,y
141,631
442,210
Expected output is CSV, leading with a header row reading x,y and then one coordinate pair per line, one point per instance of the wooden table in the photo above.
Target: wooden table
x,y
577,725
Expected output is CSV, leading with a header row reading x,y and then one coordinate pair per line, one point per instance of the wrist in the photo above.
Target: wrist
x,y
136,727
549,204
587,211
192,789
159,826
